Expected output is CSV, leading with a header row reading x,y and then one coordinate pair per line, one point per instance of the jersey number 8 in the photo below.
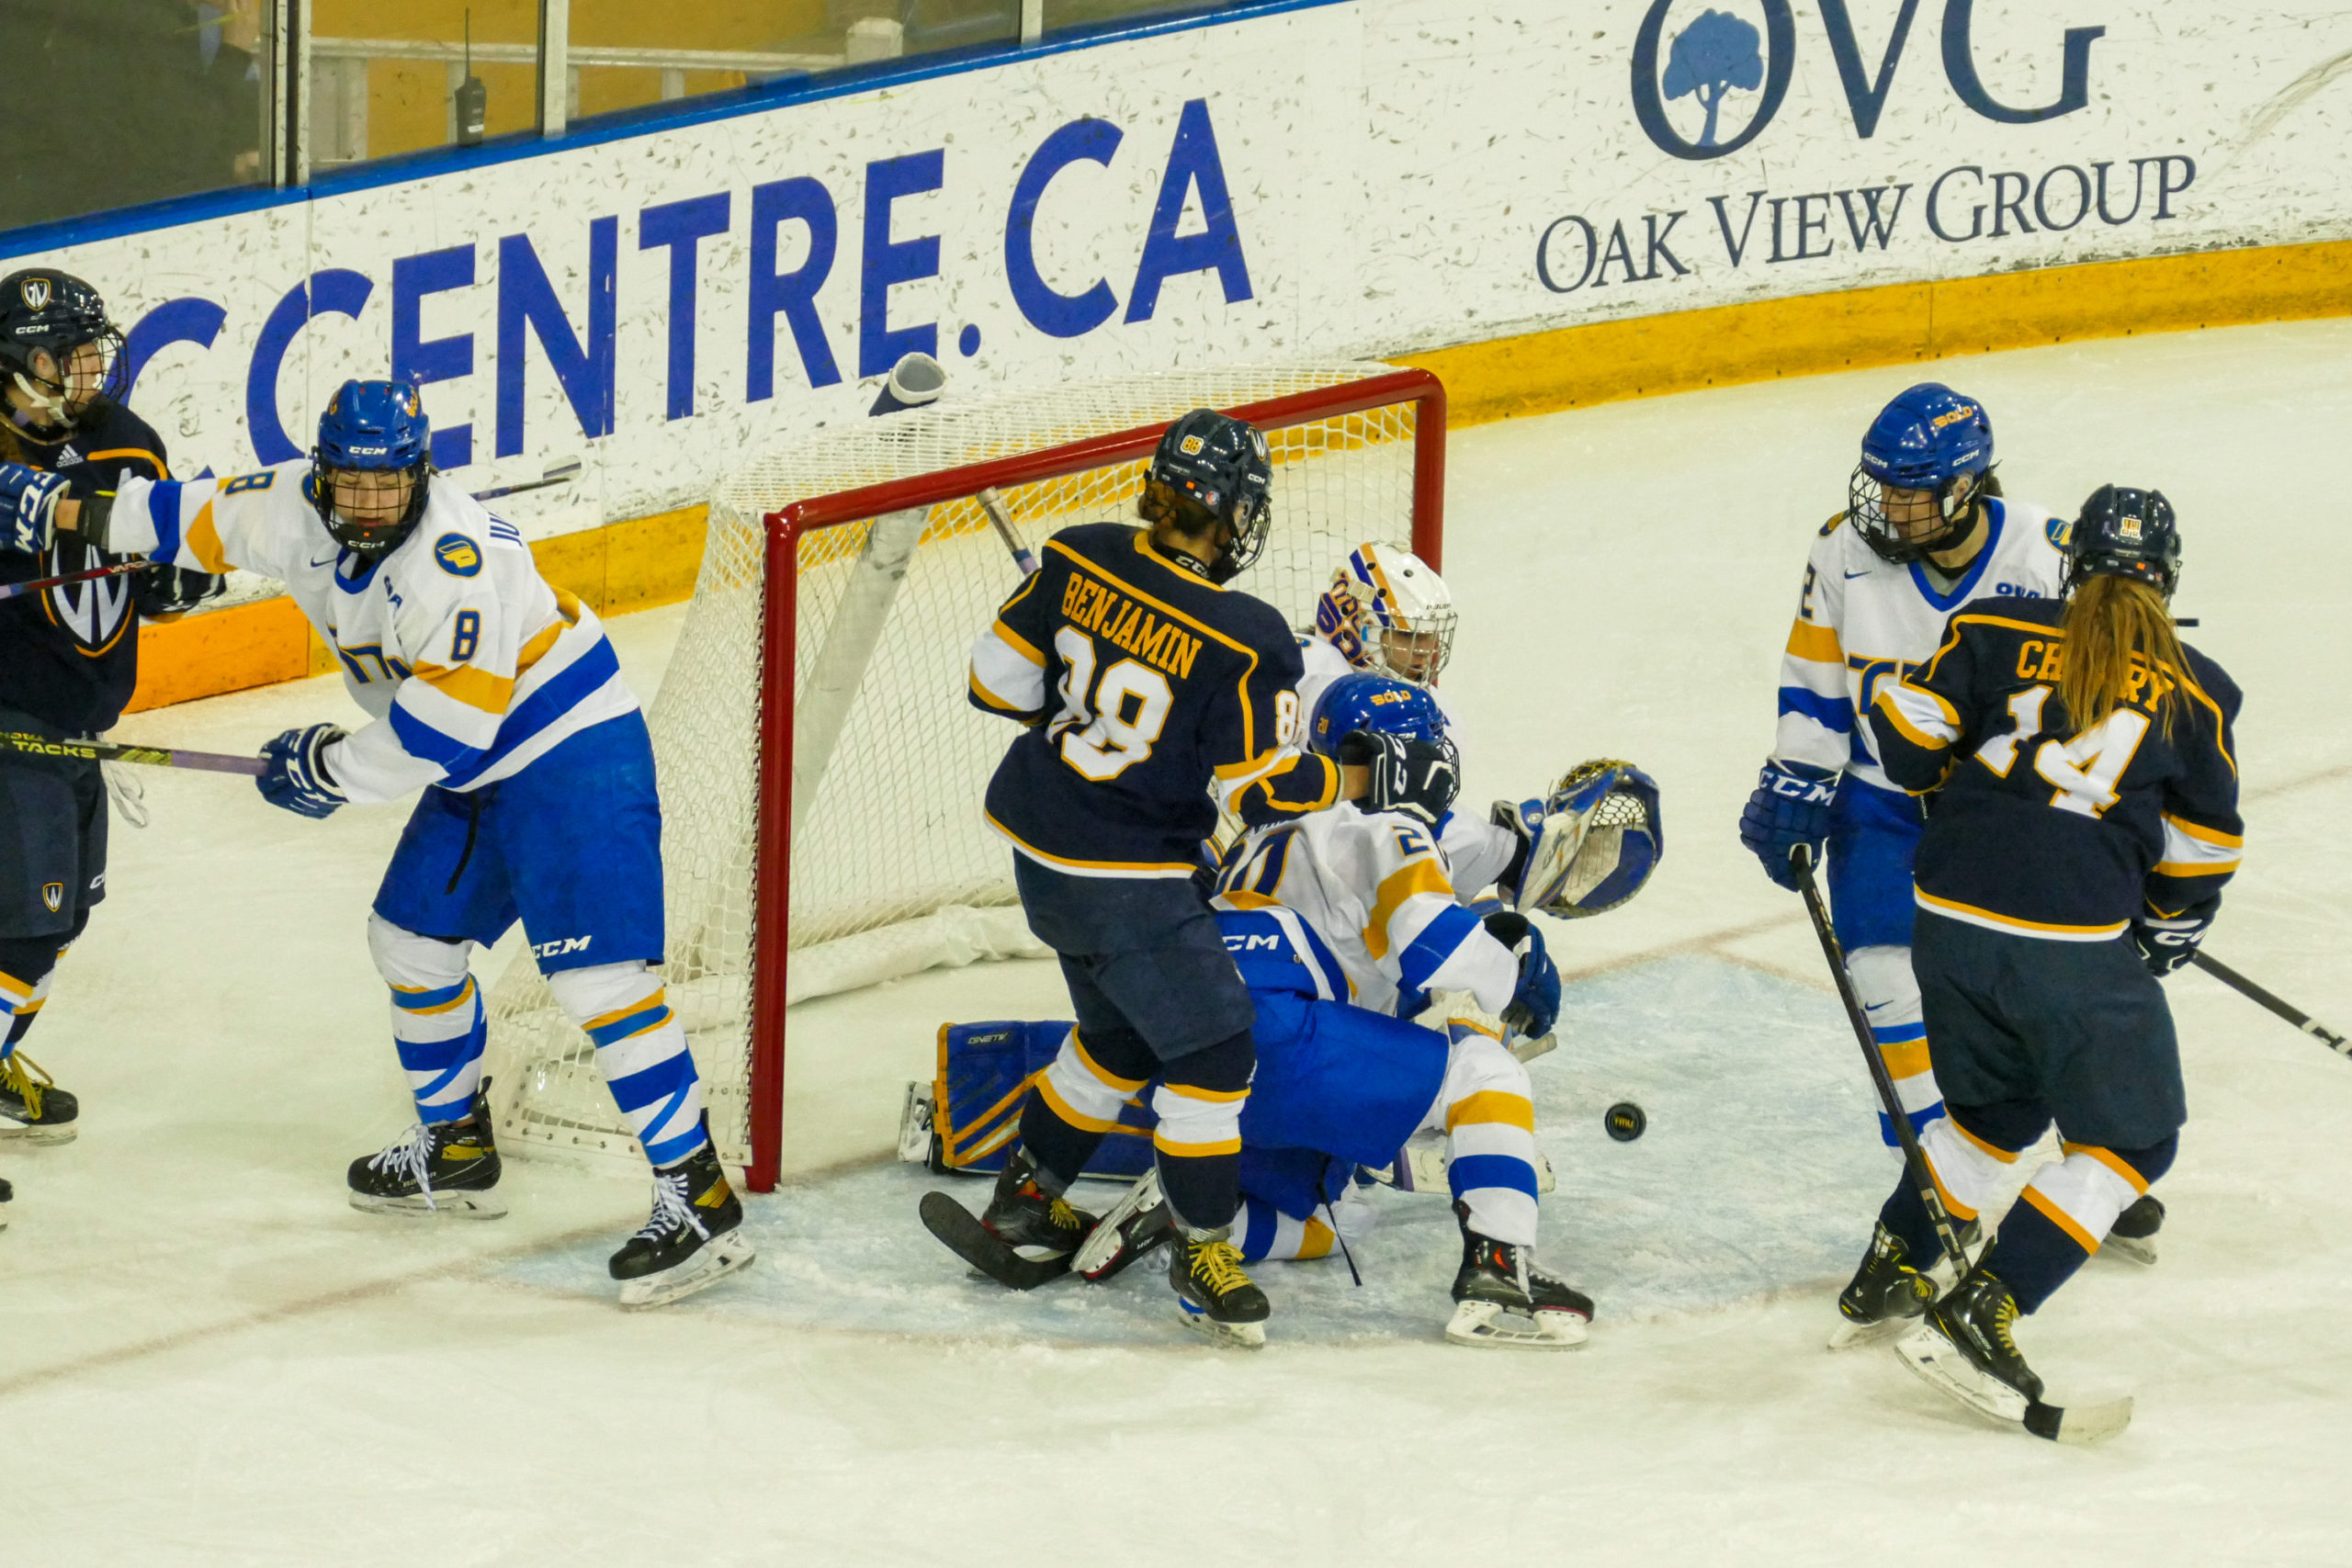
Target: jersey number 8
x,y
1106,727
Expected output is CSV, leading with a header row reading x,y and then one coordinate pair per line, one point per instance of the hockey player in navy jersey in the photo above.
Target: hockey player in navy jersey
x,y
69,652
1151,694
2085,818
498,696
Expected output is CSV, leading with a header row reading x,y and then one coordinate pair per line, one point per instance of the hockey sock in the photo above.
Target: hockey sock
x,y
437,1023
1077,1100
1265,1234
20,1000
1890,998
1198,1140
1969,1150
2066,1212
1486,1108
642,1047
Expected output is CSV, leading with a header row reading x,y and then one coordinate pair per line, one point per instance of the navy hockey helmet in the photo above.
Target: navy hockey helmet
x,y
1215,467
371,428
1378,703
1929,439
2124,532
58,350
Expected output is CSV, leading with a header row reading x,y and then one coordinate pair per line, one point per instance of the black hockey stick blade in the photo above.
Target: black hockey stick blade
x,y
2260,998
1944,1367
2079,1424
559,473
968,1239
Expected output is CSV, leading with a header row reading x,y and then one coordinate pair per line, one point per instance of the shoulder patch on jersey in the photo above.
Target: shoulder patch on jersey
x,y
1831,526
457,555
2058,528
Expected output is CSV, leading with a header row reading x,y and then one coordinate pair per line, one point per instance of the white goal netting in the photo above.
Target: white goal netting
x,y
891,868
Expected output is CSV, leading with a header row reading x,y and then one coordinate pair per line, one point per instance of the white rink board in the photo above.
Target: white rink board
x,y
1318,181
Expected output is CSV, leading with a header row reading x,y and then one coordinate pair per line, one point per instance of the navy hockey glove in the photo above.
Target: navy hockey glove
x,y
2167,943
1791,807
297,779
29,500
171,590
1416,777
1536,1002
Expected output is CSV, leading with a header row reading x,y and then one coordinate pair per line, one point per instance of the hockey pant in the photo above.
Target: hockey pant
x,y
440,1029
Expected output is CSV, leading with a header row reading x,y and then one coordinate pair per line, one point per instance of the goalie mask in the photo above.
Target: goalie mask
x,y
1591,843
1387,611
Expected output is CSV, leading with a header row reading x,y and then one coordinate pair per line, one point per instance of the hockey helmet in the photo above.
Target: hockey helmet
x,y
1378,703
371,428
1387,609
1217,469
1591,843
58,350
2124,532
1929,439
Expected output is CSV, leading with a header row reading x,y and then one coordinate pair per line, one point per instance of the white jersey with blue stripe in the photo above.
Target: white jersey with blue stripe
x,y
470,664
1863,621
1377,904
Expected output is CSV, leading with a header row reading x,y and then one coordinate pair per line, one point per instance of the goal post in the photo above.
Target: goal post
x,y
820,770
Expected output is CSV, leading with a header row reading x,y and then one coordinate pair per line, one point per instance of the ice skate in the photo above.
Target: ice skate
x,y
2132,1238
692,1240
1137,1223
33,1110
1024,1218
1885,1294
1213,1294
8,1196
449,1169
1966,1351
1502,1300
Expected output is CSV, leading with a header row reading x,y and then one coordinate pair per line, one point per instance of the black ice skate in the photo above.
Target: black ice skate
x,y
449,1169
1966,1351
1502,1299
691,1241
1133,1226
8,1196
1027,1219
33,1110
1214,1296
2133,1235
1885,1293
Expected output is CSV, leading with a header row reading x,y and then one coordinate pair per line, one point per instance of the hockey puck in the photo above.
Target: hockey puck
x,y
1625,1121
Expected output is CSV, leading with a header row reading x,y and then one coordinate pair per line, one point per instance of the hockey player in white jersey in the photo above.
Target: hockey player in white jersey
x,y
1925,531
499,697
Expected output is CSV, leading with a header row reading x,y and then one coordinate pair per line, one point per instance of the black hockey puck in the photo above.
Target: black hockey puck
x,y
1625,1121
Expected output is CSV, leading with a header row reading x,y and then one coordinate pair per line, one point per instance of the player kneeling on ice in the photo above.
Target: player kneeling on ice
x,y
499,696
2085,819
1356,902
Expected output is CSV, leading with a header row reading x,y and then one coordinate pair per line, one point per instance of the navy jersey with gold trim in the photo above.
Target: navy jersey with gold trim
x,y
69,655
2041,832
1151,696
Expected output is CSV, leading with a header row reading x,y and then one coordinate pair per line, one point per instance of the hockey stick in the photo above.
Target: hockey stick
x,y
1914,1160
17,590
993,505
2256,993
561,473
153,756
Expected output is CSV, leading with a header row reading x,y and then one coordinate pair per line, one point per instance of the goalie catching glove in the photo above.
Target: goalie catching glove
x,y
1586,847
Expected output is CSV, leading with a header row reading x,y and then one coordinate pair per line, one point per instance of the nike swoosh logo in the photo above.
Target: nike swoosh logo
x,y
325,560
1852,575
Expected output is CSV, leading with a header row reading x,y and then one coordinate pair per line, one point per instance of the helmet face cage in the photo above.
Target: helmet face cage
x,y
2125,533
1893,540
1931,440
372,427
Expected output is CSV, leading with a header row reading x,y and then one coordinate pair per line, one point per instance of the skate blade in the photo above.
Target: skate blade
x,y
39,1134
1848,1336
2140,1249
1492,1325
1943,1366
710,1264
1227,1336
443,1206
1098,1256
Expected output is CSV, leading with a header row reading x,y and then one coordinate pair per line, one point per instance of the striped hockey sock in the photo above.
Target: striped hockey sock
x,y
642,1047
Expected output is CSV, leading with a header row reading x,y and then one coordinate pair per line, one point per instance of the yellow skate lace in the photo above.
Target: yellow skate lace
x,y
17,1077
1217,1266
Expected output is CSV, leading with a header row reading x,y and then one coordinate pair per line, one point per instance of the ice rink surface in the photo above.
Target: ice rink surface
x,y
209,1357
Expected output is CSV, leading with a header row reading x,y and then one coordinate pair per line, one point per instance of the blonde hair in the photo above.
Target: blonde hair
x,y
2120,650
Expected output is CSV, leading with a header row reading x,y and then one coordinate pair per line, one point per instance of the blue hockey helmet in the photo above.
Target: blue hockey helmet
x,y
1212,469
2124,532
1929,439
369,428
1378,703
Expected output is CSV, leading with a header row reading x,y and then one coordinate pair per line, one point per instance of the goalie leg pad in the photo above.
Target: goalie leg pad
x,y
641,1048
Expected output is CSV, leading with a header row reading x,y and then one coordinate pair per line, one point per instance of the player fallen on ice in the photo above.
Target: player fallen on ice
x,y
69,653
498,696
1151,694
2085,818
1346,925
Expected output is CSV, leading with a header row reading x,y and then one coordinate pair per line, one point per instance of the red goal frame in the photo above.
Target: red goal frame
x,y
771,902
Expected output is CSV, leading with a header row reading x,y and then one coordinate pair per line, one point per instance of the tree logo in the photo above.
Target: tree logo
x,y
1709,58
1716,54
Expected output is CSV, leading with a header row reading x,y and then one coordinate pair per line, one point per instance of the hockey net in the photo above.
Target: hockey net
x,y
820,770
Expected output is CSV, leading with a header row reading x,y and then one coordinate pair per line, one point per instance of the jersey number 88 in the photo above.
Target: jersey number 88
x,y
1106,727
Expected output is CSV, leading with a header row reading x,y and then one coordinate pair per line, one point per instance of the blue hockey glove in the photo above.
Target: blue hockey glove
x,y
1791,807
1418,778
29,500
2167,943
1536,1002
297,779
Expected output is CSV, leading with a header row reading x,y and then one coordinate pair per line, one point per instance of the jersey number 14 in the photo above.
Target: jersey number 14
x,y
2085,769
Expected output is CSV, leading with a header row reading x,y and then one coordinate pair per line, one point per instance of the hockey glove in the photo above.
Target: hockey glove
x,y
297,778
1535,1001
1791,807
1416,777
169,591
29,500
2166,943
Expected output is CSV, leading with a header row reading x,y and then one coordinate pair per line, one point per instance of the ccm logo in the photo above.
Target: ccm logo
x,y
561,946
1253,943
